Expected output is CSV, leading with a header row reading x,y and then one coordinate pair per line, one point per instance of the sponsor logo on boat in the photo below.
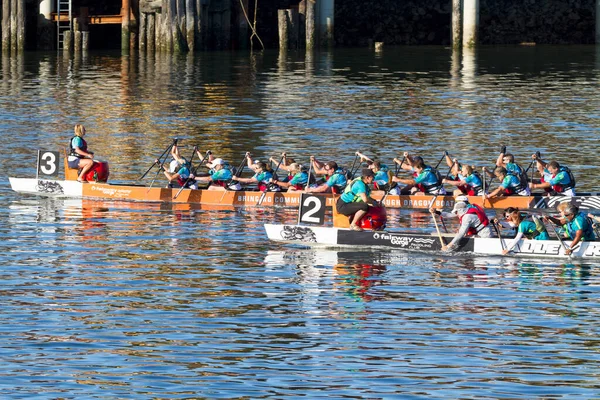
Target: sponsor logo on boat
x,y
112,192
424,203
402,241
539,247
593,250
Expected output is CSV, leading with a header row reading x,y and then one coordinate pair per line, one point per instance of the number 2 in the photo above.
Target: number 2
x,y
307,216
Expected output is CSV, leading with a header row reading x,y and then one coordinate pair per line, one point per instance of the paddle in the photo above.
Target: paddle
x,y
308,179
264,194
195,169
161,156
437,228
443,157
499,235
562,243
398,166
161,165
238,172
352,171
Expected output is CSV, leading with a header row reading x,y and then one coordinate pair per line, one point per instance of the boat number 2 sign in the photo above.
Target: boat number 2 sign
x,y
312,210
47,163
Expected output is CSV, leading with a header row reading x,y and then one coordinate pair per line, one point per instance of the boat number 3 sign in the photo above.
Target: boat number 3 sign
x,y
47,163
312,210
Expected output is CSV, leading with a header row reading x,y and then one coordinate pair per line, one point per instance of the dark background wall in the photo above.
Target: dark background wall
x,y
428,21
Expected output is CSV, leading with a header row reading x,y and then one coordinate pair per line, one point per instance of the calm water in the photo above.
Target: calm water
x,y
124,300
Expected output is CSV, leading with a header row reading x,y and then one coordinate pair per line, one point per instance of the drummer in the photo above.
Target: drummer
x,y
79,156
356,198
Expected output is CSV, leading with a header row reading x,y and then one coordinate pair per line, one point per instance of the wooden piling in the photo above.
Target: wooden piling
x,y
456,23
151,32
77,42
20,34
142,27
85,41
190,24
293,28
310,24
13,25
67,41
282,18
125,26
6,25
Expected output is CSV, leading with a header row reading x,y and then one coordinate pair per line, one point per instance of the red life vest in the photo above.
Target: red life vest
x,y
483,219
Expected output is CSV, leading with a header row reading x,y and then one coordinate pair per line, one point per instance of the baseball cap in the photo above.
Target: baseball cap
x,y
216,161
366,172
459,206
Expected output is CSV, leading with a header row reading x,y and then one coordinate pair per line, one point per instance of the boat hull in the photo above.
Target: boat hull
x,y
107,191
334,237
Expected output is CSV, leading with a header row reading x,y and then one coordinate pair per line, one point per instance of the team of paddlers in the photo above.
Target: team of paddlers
x,y
355,200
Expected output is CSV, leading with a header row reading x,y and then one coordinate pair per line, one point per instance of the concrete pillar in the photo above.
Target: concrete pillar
x,y
310,24
45,27
325,22
456,23
470,22
125,10
282,23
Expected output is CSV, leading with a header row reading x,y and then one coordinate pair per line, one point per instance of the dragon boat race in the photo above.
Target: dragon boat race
x,y
300,199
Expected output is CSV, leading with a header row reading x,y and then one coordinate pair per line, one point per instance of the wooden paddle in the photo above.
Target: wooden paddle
x,y
264,194
161,156
437,228
161,164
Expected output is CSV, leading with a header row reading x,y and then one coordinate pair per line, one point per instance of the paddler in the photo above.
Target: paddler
x,y
426,179
298,180
356,198
79,156
578,226
510,184
555,178
335,178
529,227
473,221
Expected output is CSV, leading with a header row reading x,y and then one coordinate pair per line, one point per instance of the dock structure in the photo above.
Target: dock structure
x,y
187,25
307,25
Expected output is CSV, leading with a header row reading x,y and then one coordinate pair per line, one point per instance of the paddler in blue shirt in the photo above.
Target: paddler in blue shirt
x,y
298,181
426,180
382,175
220,177
262,177
555,178
335,178
510,184
577,225
529,227
356,198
